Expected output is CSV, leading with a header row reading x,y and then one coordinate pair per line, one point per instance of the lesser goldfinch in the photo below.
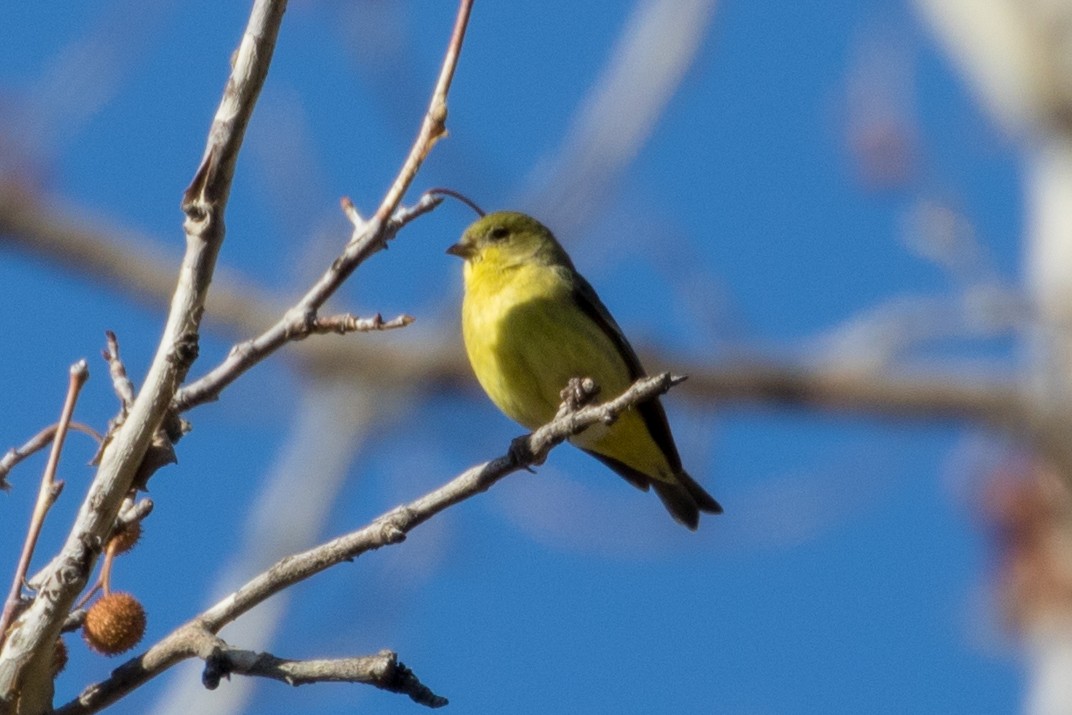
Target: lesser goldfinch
x,y
531,322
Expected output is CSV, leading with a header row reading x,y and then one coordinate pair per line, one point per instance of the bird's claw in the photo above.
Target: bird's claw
x,y
522,455
579,391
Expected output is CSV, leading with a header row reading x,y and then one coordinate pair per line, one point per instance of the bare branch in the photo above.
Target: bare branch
x,y
381,670
391,528
371,236
297,323
204,203
193,640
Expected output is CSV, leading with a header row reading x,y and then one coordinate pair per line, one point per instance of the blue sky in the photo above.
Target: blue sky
x,y
849,572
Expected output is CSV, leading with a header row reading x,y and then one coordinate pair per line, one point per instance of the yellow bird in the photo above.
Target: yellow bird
x,y
531,323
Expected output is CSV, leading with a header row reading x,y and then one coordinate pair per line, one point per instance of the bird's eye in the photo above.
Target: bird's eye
x,y
498,233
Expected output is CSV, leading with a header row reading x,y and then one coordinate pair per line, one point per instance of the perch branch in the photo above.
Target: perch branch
x,y
390,528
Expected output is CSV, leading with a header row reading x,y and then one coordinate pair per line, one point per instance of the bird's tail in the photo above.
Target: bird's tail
x,y
685,499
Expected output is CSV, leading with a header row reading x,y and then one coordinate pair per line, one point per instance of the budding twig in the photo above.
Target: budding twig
x,y
124,388
46,495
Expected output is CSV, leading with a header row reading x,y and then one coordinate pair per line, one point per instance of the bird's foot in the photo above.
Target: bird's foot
x,y
579,391
522,455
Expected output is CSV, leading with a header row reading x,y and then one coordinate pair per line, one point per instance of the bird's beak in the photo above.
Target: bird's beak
x,y
462,250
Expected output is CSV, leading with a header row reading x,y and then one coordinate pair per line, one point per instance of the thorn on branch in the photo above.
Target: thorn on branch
x,y
54,491
184,350
217,667
74,620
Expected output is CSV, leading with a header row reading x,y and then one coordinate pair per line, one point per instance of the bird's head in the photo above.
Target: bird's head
x,y
508,238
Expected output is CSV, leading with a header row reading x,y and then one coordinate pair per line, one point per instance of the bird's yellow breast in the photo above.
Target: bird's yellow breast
x,y
510,321
526,337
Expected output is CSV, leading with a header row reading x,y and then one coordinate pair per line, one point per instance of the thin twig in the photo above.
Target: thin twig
x,y
296,324
46,495
367,238
348,323
35,444
124,388
390,528
433,128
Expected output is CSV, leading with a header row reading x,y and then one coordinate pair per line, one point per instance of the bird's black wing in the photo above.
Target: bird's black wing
x,y
651,411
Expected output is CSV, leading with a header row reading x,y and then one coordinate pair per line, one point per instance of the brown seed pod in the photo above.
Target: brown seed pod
x,y
125,539
114,624
59,657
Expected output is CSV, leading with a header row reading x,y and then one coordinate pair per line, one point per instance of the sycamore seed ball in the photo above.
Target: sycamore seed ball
x,y
126,538
114,624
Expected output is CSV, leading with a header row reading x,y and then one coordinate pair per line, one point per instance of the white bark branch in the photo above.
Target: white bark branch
x,y
25,681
